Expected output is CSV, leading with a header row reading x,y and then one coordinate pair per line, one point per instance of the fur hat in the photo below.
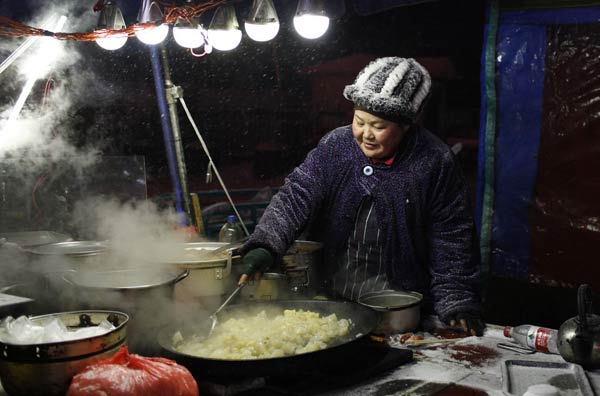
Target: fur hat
x,y
393,88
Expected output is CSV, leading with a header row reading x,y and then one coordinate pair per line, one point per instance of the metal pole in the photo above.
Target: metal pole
x,y
171,134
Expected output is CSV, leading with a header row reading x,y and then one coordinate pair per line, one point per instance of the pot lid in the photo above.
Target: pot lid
x,y
136,278
27,239
388,300
199,255
70,248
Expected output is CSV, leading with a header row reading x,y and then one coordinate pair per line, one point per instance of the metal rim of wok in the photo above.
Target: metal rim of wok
x,y
66,350
364,321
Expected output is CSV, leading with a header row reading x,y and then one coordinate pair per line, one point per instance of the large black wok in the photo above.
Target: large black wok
x,y
363,319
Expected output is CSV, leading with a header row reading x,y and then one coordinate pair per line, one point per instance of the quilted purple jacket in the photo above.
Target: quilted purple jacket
x,y
422,210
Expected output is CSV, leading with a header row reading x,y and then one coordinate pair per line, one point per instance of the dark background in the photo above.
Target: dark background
x,y
257,106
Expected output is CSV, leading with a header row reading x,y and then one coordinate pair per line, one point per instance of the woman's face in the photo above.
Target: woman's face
x,y
376,137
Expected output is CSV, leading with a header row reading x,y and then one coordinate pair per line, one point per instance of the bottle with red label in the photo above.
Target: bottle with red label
x,y
534,337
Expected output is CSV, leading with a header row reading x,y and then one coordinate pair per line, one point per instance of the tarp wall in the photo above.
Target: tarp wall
x,y
538,198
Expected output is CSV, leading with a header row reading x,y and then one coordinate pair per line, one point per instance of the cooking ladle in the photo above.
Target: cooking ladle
x,y
213,317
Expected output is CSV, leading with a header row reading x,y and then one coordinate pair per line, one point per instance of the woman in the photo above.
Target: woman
x,y
387,199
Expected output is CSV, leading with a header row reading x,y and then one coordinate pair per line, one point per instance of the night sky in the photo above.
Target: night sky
x,y
260,93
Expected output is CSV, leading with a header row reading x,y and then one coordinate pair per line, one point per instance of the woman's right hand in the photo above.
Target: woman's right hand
x,y
255,262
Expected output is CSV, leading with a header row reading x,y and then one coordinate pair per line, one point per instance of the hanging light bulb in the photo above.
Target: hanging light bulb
x,y
150,12
111,18
311,20
262,23
224,31
188,32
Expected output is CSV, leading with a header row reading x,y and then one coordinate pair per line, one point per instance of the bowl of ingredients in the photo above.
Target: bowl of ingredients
x,y
40,354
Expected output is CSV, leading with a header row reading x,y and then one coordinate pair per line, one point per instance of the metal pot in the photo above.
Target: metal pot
x,y
302,265
401,309
363,321
145,294
271,286
76,255
209,272
47,369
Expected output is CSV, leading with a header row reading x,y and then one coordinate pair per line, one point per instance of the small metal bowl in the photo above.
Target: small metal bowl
x,y
401,310
47,369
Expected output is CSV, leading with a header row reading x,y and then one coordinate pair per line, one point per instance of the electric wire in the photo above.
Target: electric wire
x,y
10,27
214,167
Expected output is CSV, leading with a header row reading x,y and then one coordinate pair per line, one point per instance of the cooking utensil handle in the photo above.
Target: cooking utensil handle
x,y
235,292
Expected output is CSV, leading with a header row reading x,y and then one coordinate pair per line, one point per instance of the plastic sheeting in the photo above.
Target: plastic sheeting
x,y
545,143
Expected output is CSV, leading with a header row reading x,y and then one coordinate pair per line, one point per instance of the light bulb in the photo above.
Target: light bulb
x,y
154,35
111,18
262,23
224,31
263,31
112,43
188,34
150,12
225,40
311,20
311,26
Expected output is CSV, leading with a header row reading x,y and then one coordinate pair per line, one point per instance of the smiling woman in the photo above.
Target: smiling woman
x,y
377,138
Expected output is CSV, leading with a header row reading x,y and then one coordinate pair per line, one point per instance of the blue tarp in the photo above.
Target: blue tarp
x,y
519,59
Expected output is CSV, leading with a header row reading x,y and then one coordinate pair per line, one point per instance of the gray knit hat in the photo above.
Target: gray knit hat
x,y
393,88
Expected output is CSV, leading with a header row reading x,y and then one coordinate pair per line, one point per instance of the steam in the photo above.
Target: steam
x,y
41,131
138,232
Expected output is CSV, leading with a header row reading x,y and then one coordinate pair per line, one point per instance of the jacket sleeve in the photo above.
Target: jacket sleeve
x,y
454,256
291,208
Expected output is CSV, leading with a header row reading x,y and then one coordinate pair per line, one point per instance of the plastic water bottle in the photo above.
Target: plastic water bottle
x,y
534,337
231,231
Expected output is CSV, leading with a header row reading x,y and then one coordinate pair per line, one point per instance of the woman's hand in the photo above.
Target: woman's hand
x,y
470,322
255,262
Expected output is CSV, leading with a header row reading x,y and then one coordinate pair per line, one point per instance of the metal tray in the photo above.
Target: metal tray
x,y
27,239
569,378
72,248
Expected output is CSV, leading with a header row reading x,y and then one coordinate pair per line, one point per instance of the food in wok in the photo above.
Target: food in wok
x,y
262,336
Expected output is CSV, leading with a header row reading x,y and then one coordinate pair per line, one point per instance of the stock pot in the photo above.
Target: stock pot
x,y
145,294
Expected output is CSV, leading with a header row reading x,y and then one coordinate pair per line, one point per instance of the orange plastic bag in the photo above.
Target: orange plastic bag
x,y
133,375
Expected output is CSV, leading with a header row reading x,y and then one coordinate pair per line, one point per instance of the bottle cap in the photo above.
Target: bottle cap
x,y
506,331
231,218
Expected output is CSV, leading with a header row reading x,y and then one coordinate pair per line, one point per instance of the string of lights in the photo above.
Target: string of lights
x,y
9,27
156,18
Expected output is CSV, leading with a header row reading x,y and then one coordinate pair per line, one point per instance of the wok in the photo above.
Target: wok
x,y
363,319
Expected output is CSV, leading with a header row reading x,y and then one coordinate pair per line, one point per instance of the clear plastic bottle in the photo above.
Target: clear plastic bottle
x,y
534,337
231,231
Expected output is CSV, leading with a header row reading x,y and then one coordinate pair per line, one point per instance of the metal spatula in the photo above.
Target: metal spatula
x,y
213,317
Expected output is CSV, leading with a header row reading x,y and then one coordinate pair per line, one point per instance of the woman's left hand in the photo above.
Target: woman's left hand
x,y
470,322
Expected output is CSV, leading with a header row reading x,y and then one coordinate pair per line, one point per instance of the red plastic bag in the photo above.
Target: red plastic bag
x,y
133,375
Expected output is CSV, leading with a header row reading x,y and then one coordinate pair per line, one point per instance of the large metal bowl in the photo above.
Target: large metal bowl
x,y
401,310
47,369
